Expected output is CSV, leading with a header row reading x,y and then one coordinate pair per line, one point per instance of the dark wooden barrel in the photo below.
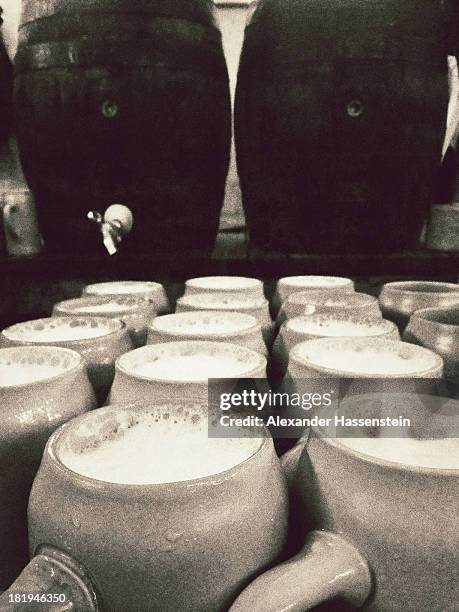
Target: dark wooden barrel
x,y
340,118
6,90
124,101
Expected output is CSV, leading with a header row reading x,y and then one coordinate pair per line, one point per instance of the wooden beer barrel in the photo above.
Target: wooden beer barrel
x,y
6,90
124,101
340,118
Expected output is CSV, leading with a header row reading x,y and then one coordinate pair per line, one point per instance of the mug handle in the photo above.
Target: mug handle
x,y
51,572
327,567
8,212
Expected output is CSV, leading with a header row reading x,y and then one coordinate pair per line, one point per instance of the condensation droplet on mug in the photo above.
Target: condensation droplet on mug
x,y
76,521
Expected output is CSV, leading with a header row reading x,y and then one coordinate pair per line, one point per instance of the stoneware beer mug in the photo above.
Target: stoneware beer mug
x,y
255,306
371,357
340,304
155,292
315,326
233,285
181,369
151,513
233,327
370,363
40,388
399,300
98,340
22,236
137,313
379,522
438,330
294,284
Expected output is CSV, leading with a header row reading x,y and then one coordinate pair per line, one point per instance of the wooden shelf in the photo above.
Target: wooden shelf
x,y
264,265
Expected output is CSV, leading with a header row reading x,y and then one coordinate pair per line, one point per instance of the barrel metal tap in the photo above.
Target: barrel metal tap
x,y
116,222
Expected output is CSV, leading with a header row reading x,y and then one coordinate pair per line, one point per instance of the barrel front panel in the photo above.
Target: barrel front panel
x,y
108,120
339,136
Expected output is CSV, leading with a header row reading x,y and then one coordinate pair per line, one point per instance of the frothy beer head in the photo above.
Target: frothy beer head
x,y
292,284
28,365
439,453
323,325
366,357
337,303
55,329
426,439
315,282
191,361
164,443
220,301
205,324
124,288
229,284
102,306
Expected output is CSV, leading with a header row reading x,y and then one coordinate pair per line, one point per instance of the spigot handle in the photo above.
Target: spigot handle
x,y
116,222
121,217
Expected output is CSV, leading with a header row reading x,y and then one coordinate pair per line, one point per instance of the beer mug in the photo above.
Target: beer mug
x,y
232,285
137,313
155,292
22,236
375,519
258,307
181,369
140,506
316,326
40,388
98,340
295,284
232,327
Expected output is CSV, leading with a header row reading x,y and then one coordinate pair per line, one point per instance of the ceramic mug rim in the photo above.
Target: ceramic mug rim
x,y
254,327
151,287
353,299
139,305
289,281
172,381
409,288
79,364
385,325
253,304
385,463
121,327
51,451
349,374
248,281
422,312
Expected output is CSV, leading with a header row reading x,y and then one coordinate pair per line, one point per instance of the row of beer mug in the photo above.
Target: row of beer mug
x,y
196,543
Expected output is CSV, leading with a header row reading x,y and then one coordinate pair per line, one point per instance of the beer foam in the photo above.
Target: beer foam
x,y
59,330
18,374
21,365
337,327
224,283
190,361
154,447
325,298
437,453
106,307
315,281
220,301
123,288
204,323
379,357
423,287
192,367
